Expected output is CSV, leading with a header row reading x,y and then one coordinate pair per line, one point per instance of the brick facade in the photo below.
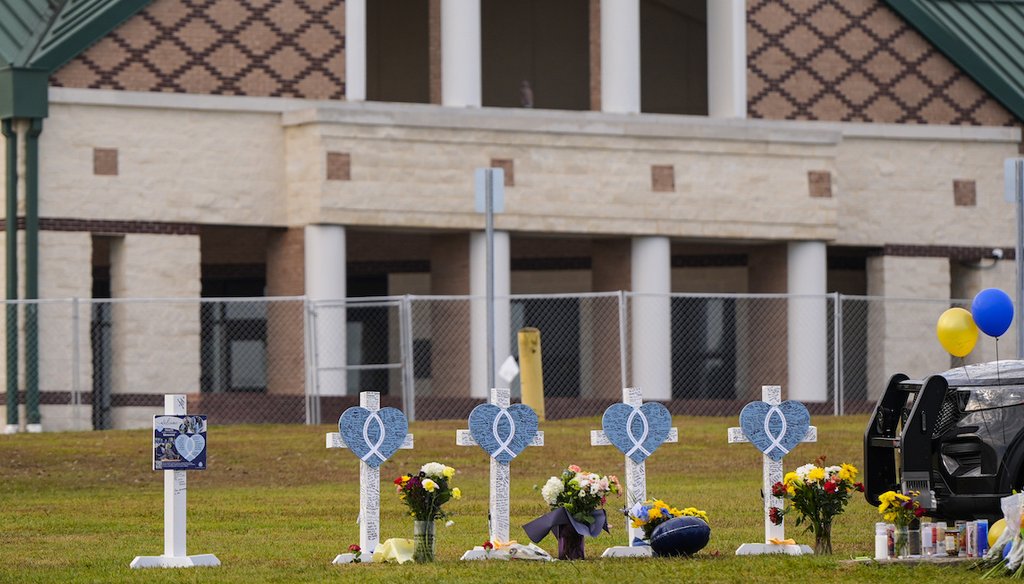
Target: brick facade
x,y
277,48
854,61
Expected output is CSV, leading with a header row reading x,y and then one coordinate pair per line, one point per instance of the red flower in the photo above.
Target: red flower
x,y
775,516
355,548
488,545
779,490
918,512
830,486
398,481
859,487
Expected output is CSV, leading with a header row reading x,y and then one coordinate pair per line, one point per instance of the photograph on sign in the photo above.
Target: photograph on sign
x,y
179,442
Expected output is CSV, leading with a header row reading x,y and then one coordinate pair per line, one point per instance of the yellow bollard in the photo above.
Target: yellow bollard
x,y
531,370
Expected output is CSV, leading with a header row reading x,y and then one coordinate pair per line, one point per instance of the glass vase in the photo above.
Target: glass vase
x,y
570,544
823,539
901,542
423,538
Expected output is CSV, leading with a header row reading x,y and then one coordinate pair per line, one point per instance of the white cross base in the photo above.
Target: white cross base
x,y
175,487
636,481
771,395
369,490
501,479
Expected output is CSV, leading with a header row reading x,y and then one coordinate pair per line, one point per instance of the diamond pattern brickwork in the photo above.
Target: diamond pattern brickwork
x,y
279,48
858,61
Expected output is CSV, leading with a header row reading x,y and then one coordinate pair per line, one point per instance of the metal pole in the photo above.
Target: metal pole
x,y
489,212
836,353
408,361
1018,187
76,382
11,225
32,274
623,323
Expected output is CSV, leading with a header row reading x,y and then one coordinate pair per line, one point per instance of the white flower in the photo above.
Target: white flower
x,y
832,470
433,469
803,470
551,490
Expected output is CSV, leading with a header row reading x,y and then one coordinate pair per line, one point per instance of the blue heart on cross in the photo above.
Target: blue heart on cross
x,y
503,432
775,430
637,431
373,436
189,446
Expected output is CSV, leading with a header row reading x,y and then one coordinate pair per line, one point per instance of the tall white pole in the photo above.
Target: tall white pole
x,y
651,278
727,58
355,50
460,53
174,491
325,280
807,318
620,56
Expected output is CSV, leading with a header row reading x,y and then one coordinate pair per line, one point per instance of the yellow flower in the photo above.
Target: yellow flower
x,y
816,474
847,472
456,493
790,490
449,472
791,478
405,479
429,485
637,523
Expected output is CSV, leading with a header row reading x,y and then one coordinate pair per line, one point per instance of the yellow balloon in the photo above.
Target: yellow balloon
x,y
957,332
995,530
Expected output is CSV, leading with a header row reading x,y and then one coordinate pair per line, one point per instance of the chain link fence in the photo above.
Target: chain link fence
x,y
98,364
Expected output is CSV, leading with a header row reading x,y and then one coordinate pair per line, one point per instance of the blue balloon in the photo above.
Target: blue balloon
x,y
992,310
1007,548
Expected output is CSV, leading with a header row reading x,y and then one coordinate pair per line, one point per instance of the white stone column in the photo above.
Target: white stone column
x,y
651,317
325,281
620,56
478,314
807,323
460,53
727,58
355,50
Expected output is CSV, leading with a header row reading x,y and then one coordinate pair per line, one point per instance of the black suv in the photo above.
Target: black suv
x,y
957,437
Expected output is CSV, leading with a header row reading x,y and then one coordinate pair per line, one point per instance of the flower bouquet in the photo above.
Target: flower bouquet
x,y
576,498
900,509
424,493
818,494
651,514
670,531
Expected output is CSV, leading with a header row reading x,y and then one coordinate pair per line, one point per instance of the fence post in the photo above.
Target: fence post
x,y
309,346
408,360
837,354
623,324
76,365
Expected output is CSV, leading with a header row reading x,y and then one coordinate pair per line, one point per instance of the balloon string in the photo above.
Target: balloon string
x,y
997,362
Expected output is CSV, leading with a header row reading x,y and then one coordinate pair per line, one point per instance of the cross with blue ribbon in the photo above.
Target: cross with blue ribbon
x,y
636,472
501,472
369,481
772,395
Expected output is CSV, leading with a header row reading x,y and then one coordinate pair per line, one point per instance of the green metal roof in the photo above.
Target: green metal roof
x,y
45,34
985,38
38,36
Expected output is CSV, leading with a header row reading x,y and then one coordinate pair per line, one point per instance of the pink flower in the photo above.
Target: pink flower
x,y
575,468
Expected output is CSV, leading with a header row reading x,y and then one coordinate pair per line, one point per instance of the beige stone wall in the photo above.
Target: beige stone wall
x,y
901,191
65,271
901,327
575,183
187,165
155,345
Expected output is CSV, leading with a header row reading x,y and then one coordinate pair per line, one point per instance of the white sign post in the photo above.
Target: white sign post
x,y
175,483
636,480
501,479
369,490
771,395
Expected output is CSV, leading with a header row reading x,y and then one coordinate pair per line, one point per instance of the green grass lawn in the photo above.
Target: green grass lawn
x,y
278,506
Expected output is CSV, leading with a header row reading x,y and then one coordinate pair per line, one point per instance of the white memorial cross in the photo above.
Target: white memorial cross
x,y
175,488
501,477
771,395
369,489
636,477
